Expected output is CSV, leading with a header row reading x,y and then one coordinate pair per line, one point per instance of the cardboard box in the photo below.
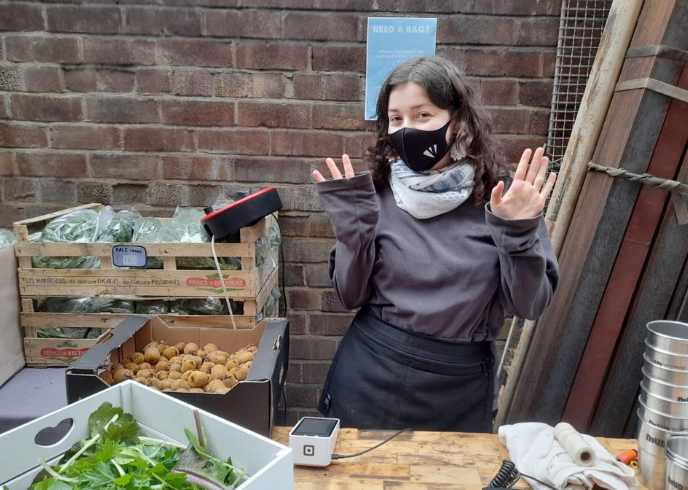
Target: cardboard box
x,y
11,348
268,464
253,403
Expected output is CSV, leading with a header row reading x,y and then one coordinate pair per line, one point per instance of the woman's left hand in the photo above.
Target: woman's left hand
x,y
527,195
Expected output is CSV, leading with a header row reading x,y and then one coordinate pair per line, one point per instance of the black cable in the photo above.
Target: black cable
x,y
508,476
284,278
342,456
284,398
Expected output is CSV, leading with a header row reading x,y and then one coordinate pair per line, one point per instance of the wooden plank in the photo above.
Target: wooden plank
x,y
250,234
598,224
31,249
54,352
679,299
651,302
627,269
57,214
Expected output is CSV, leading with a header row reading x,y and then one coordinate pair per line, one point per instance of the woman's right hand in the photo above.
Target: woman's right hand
x,y
336,174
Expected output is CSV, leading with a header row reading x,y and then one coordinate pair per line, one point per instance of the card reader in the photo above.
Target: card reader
x,y
313,440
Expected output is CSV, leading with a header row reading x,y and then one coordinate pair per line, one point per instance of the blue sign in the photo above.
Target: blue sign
x,y
128,256
391,41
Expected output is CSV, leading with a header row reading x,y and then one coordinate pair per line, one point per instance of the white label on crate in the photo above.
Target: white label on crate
x,y
128,256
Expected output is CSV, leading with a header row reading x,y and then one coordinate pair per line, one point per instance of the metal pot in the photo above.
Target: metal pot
x,y
662,405
666,374
665,390
668,336
665,359
663,421
676,452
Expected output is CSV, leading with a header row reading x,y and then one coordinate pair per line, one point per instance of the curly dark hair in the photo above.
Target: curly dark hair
x,y
447,89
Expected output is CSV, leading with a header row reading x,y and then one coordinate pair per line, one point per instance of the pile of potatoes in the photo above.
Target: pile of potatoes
x,y
184,367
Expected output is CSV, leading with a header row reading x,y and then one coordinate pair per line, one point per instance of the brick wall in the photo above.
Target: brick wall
x,y
131,102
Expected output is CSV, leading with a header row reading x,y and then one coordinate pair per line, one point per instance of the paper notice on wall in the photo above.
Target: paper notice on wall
x,y
391,41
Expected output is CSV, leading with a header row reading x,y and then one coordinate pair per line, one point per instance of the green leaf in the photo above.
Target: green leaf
x,y
123,429
106,451
122,480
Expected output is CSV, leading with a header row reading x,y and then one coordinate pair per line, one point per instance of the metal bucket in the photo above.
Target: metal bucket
x,y
666,359
668,336
665,390
662,405
663,421
666,374
676,452
651,456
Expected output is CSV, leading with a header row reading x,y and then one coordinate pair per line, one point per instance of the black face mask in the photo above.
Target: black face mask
x,y
421,150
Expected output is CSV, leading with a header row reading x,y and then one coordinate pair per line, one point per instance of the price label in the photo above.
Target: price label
x,y
129,256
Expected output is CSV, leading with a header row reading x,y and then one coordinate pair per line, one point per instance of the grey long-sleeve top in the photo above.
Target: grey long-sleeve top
x,y
451,277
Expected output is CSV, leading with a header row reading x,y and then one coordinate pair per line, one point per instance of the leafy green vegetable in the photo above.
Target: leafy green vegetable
x,y
208,306
119,227
6,238
147,230
76,227
79,305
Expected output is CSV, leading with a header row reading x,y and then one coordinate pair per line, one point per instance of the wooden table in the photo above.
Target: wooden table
x,y
414,461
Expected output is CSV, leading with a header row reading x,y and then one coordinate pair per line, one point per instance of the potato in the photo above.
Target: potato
x,y
170,352
161,366
174,359
180,346
117,367
132,366
174,375
155,383
190,348
180,383
230,381
232,363
107,377
196,390
181,390
242,373
122,375
244,357
197,360
251,348
201,353
167,384
137,358
207,366
163,358
210,347
188,366
151,344
186,374
221,391
234,370
214,385
198,379
144,373
174,366
218,372
152,355
161,347
143,381
143,365
161,375
218,357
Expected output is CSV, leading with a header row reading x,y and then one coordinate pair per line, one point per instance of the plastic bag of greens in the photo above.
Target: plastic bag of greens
x,y
271,308
147,230
154,307
116,227
207,306
77,227
79,305
6,238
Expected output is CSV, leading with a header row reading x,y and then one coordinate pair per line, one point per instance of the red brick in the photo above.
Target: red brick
x,y
293,273
20,189
51,164
300,198
302,396
22,136
330,302
339,58
6,163
294,372
297,322
44,108
315,372
197,113
10,78
312,348
307,250
88,192
14,17
158,139
94,20
536,93
130,194
102,51
156,21
233,84
276,56
80,80
165,195
279,170
318,276
311,87
538,122
242,23
42,79
358,5
268,85
475,29
115,80
499,92
522,7
122,110
328,324
509,121
84,137
504,62
306,143
273,115
202,195
303,299
319,26
293,225
279,4
320,226
42,49
196,52
153,81
343,87
512,146
356,145
4,105
58,191
339,116
548,61
243,141
124,166
192,82
196,168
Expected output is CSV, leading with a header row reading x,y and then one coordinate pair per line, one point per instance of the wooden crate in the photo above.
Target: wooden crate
x,y
246,286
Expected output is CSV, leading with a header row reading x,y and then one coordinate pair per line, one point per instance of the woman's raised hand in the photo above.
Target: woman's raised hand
x,y
336,174
527,195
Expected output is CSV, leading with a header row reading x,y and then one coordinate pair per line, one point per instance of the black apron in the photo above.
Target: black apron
x,y
383,378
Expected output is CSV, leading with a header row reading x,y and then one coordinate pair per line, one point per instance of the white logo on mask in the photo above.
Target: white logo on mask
x,y
431,152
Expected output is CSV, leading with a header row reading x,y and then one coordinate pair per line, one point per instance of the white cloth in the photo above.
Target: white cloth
x,y
536,452
428,194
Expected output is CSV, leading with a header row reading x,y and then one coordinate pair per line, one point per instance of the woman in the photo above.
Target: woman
x,y
433,250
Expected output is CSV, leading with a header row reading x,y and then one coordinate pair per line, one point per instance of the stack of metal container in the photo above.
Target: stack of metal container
x,y
663,412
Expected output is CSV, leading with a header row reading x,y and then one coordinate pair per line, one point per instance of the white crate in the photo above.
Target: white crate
x,y
269,465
